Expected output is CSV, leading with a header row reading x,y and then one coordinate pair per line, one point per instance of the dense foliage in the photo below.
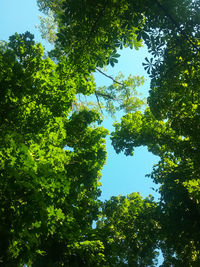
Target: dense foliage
x,y
50,159
53,149
128,228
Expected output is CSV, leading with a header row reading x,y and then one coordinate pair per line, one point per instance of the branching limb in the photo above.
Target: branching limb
x,y
98,102
110,77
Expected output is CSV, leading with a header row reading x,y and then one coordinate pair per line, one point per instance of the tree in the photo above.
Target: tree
x,y
52,154
129,230
179,217
50,160
90,33
169,129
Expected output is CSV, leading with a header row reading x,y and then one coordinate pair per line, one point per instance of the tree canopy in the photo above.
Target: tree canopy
x,y
53,147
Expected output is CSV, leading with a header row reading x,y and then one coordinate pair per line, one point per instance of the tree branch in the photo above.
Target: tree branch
x,y
106,96
110,77
98,102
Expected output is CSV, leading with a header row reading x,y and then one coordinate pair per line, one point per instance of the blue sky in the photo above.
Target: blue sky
x,y
121,175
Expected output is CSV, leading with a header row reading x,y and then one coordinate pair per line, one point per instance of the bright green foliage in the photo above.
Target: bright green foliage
x,y
47,193
121,95
48,27
175,173
170,129
51,158
90,32
129,231
52,151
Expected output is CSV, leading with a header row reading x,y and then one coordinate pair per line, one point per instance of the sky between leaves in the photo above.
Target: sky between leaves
x,y
122,175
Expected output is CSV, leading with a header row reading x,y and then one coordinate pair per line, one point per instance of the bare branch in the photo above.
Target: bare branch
x,y
110,77
98,102
106,96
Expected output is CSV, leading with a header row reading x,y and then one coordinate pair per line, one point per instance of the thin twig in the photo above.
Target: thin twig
x,y
98,102
110,77
106,96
